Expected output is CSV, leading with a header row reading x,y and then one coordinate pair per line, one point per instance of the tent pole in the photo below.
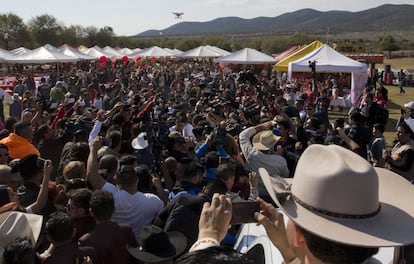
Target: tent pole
x,y
312,65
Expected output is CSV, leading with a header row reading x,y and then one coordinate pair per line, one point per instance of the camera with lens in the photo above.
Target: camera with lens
x,y
247,76
219,136
251,111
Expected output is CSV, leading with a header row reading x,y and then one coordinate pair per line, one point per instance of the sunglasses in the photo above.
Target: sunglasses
x,y
76,183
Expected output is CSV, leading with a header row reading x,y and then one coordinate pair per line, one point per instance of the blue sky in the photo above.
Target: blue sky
x,y
129,17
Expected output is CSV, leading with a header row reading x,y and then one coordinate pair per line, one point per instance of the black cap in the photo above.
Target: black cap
x,y
28,165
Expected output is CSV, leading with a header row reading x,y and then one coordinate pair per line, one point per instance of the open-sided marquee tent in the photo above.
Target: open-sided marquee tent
x,y
329,60
246,56
282,65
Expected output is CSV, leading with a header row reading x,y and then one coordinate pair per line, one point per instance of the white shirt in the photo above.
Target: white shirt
x,y
186,132
137,210
98,103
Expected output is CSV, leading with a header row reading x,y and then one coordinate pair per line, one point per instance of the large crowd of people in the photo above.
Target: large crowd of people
x,y
141,164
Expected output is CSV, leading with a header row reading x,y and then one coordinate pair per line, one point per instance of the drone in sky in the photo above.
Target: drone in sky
x,y
178,15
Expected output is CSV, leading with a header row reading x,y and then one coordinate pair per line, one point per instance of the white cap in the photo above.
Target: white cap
x,y
409,105
410,122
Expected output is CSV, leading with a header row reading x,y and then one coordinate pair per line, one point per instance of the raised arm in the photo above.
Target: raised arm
x,y
214,222
274,224
41,200
352,144
96,127
37,118
92,168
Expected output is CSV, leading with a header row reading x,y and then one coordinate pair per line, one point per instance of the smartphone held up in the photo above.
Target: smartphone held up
x,y
243,212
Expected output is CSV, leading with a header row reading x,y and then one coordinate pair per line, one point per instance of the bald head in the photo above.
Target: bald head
x,y
109,162
171,164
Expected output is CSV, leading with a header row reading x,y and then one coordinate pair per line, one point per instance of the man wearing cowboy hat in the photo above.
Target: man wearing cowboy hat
x,y
339,211
407,115
16,225
260,151
159,246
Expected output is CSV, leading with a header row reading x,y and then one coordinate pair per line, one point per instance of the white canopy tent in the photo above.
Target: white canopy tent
x,y
71,51
4,54
113,51
96,52
153,51
19,50
329,60
39,56
246,56
50,47
219,50
126,51
174,51
199,52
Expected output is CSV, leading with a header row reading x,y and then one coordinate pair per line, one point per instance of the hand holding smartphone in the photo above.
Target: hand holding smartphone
x,y
243,212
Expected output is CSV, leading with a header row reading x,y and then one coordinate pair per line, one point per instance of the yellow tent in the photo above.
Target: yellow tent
x,y
282,65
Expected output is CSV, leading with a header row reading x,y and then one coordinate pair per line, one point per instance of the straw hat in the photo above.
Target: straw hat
x,y
140,142
16,224
265,140
339,196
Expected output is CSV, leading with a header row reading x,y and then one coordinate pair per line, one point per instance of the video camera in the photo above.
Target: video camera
x,y
247,76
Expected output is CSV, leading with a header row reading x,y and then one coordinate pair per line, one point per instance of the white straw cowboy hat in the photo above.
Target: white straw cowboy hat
x,y
264,140
18,225
17,97
140,142
339,196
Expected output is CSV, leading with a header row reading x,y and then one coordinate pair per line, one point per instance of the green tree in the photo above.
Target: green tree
x,y
105,36
299,38
101,37
188,43
13,31
70,35
389,44
46,29
91,38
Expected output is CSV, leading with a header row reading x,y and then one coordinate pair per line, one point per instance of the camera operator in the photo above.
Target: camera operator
x,y
251,111
177,146
214,142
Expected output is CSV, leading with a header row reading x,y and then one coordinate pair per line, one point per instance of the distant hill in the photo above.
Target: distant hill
x,y
383,18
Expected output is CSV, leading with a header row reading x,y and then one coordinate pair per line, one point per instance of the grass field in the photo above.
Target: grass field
x,y
395,102
399,63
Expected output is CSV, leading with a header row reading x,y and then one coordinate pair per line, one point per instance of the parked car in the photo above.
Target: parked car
x,y
253,240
